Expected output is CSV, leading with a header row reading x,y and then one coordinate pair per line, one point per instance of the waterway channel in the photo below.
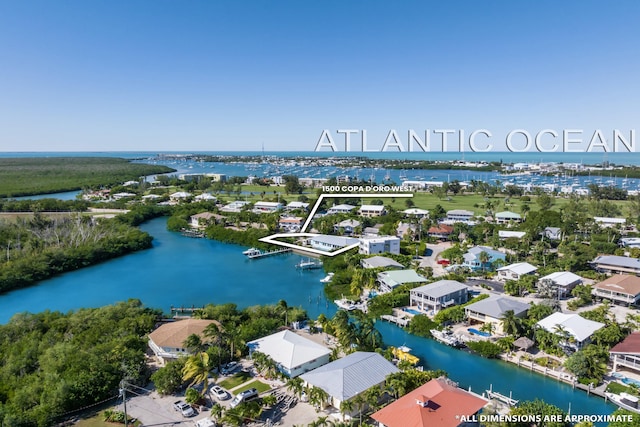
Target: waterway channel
x,y
182,271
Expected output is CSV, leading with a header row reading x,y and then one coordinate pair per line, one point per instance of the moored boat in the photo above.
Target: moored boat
x,y
309,265
403,353
327,278
446,337
345,304
625,401
251,252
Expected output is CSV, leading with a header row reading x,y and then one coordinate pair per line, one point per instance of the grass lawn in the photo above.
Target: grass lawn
x,y
97,420
235,380
258,385
617,388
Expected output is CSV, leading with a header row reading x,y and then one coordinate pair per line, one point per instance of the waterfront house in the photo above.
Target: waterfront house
x,y
348,377
202,219
438,295
619,288
331,243
472,259
459,215
437,403
293,354
346,227
629,242
416,213
515,271
391,279
492,310
626,354
379,245
266,207
340,209
370,211
290,224
235,206
562,281
380,262
372,231
507,217
616,264
441,231
505,234
575,329
167,340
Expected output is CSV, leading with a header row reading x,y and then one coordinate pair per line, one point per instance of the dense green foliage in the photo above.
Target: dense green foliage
x,y
546,413
249,237
43,205
485,348
39,247
455,313
53,363
40,175
421,325
168,379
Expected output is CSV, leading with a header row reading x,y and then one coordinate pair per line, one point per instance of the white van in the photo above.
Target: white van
x,y
244,396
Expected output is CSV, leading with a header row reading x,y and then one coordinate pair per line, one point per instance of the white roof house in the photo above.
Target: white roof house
x,y
492,309
438,295
515,271
579,328
329,243
345,378
394,278
565,281
380,262
604,221
205,196
379,245
459,215
235,206
340,209
420,213
506,216
294,354
180,195
297,205
371,210
261,207
505,234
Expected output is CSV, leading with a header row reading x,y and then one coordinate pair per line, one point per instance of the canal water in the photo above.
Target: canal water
x,y
181,271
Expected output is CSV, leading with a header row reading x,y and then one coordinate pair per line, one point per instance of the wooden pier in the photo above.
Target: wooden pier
x,y
394,319
501,397
262,254
183,310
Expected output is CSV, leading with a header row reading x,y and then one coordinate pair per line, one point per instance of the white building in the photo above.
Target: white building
x,y
563,281
459,215
266,207
507,216
330,243
338,209
235,206
515,271
578,330
167,341
438,295
370,211
293,354
378,245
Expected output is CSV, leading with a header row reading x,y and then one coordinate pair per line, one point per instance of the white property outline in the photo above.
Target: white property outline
x,y
271,239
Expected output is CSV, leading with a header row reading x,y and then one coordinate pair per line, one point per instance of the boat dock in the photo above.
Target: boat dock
x,y
179,311
192,233
262,254
501,397
400,321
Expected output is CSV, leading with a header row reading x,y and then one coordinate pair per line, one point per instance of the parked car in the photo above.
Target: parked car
x,y
244,396
220,393
230,368
184,408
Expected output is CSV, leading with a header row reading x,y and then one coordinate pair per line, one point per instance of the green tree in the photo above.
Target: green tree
x,y
197,370
168,379
511,324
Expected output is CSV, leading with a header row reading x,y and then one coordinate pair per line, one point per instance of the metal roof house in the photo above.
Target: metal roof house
x,y
492,310
380,262
563,281
507,216
438,295
391,279
616,264
329,243
293,354
516,271
346,378
340,209
577,328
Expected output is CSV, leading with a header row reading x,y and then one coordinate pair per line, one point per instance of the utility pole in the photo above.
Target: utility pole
x,y
123,392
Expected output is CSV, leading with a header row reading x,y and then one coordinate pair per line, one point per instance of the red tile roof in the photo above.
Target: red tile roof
x,y
442,405
630,345
441,229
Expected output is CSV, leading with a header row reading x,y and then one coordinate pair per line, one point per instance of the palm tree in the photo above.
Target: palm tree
x,y
484,258
283,307
194,344
372,397
216,412
197,370
510,323
317,397
295,385
346,407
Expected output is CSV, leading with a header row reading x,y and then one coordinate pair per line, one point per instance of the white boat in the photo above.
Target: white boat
x,y
625,401
345,304
309,264
252,252
446,337
327,278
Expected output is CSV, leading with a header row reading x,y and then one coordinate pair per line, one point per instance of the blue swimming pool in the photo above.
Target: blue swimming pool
x,y
627,381
477,332
411,311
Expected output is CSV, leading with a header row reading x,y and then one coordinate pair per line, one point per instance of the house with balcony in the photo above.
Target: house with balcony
x,y
435,296
331,243
416,213
380,262
619,288
612,264
290,224
441,231
370,211
507,217
266,207
459,215
340,209
562,281
626,354
379,245
167,341
346,227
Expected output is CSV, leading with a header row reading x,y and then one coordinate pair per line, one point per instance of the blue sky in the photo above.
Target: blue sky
x,y
233,75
